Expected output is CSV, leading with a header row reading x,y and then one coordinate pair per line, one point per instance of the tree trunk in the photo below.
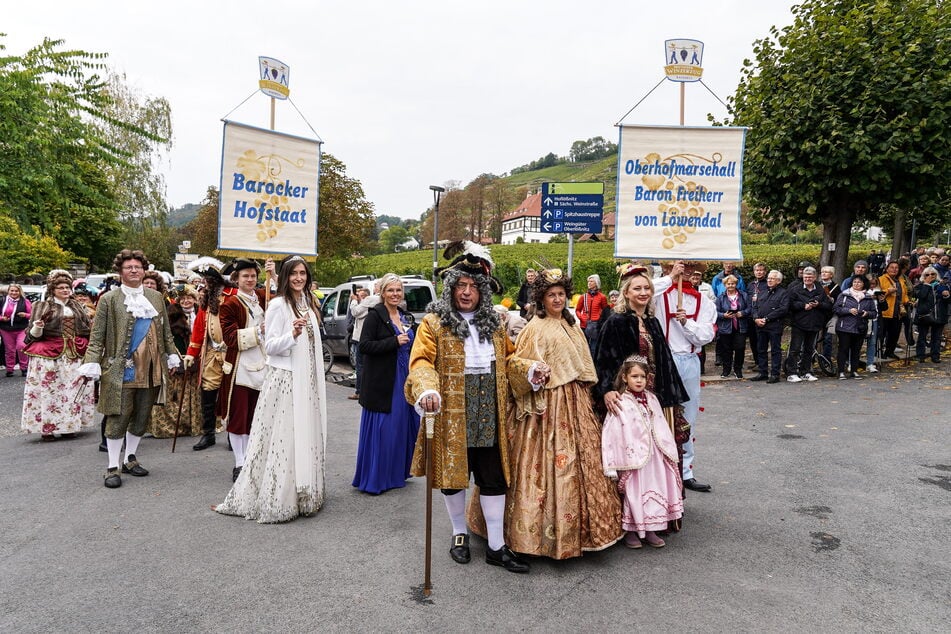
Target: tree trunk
x,y
898,233
837,229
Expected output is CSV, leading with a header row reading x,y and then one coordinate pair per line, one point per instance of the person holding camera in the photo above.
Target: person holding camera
x,y
733,317
809,308
854,308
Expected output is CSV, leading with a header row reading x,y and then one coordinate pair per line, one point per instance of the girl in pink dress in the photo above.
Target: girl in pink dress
x,y
638,450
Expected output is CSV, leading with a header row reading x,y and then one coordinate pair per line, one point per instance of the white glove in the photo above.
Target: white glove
x,y
188,361
174,361
90,371
611,473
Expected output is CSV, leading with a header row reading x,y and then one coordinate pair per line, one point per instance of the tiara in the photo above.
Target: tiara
x,y
636,358
552,275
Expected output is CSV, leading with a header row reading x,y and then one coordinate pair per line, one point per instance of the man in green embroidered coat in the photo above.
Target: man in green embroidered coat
x,y
130,351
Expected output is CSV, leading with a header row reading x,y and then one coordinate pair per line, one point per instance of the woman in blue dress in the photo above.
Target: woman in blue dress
x,y
389,425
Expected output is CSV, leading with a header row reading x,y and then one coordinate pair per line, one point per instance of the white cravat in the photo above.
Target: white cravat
x,y
136,303
479,354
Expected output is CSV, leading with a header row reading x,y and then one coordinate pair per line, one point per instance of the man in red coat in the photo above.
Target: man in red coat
x,y
242,325
589,309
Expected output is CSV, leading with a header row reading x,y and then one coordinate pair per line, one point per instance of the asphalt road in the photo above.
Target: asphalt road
x,y
830,511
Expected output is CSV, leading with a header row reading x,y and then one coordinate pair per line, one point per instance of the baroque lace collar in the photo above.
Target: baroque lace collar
x,y
136,303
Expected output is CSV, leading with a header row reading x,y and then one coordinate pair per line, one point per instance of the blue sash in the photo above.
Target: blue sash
x,y
139,331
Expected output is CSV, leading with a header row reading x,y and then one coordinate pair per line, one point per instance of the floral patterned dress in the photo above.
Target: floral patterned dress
x,y
56,399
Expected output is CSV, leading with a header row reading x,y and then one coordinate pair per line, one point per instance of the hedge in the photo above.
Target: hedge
x,y
589,258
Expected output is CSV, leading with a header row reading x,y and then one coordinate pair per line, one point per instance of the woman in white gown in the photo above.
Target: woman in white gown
x,y
283,476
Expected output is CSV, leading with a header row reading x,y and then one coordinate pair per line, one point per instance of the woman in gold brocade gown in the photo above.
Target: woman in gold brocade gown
x,y
559,501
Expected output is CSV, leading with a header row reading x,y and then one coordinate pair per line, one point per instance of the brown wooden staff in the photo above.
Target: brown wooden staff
x,y
178,418
430,421
680,291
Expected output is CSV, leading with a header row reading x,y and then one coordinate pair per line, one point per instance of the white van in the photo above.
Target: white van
x,y
417,291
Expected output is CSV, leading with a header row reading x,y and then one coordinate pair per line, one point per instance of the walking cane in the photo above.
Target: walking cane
x,y
82,388
430,420
178,419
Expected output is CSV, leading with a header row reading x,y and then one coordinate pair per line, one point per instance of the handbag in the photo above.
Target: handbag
x,y
931,316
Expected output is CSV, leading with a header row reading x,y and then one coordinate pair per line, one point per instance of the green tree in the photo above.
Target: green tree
x,y
392,238
58,147
848,110
203,230
345,216
591,150
24,253
137,181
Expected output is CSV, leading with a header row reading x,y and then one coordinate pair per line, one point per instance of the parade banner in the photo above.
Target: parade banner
x,y
267,201
679,192
684,61
274,78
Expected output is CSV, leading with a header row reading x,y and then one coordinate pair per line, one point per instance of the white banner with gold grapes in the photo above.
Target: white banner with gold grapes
x,y
267,202
679,193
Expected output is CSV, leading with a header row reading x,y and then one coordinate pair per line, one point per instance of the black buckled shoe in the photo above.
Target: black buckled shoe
x,y
505,558
693,485
112,479
459,551
207,440
235,473
132,467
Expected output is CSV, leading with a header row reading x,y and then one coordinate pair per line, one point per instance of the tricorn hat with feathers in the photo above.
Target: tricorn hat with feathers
x,y
473,259
207,266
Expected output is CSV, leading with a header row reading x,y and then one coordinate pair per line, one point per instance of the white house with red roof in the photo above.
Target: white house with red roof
x,y
525,222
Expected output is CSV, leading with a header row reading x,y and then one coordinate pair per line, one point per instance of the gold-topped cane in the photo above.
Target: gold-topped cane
x,y
430,422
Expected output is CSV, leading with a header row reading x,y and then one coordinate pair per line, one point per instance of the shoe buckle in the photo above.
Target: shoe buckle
x,y
458,540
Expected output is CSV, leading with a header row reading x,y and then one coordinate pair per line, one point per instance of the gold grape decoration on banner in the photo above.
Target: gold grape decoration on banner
x,y
266,169
675,235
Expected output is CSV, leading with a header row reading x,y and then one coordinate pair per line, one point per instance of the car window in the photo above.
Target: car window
x,y
327,308
344,304
417,298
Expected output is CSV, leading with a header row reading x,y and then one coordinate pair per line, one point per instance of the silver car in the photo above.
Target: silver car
x,y
418,293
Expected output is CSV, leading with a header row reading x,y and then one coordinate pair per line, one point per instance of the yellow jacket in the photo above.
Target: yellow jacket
x,y
886,284
437,362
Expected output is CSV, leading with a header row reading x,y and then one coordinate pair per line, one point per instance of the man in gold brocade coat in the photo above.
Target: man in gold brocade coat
x,y
461,369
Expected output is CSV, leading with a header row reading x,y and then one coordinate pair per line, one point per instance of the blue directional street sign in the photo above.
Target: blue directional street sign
x,y
572,208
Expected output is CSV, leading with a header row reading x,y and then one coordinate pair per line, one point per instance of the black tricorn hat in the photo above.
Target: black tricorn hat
x,y
239,264
472,259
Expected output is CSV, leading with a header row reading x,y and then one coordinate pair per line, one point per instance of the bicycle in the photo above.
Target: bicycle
x,y
326,351
824,363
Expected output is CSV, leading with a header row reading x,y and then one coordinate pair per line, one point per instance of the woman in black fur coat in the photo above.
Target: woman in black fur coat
x,y
633,329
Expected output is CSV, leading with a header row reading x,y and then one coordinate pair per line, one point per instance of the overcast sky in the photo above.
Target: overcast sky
x,y
412,93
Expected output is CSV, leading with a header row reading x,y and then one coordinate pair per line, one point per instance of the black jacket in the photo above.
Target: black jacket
x,y
379,346
524,298
754,289
16,323
619,338
814,319
931,301
772,306
855,324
